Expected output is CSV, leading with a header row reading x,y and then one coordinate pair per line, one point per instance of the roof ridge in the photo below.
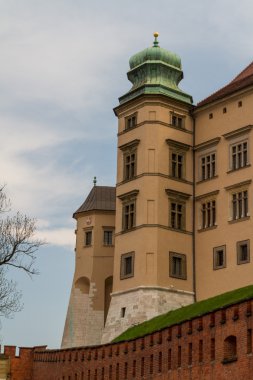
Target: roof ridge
x,y
241,73
244,79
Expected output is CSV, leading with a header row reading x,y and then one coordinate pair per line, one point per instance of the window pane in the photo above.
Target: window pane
x,y
108,237
128,265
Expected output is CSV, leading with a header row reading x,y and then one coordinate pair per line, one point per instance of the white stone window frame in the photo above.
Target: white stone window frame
x,y
204,199
128,150
127,200
129,121
207,153
108,229
235,189
178,116
178,148
238,165
235,138
88,230
181,199
213,215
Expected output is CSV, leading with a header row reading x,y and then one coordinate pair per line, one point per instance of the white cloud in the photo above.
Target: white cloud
x,y
64,237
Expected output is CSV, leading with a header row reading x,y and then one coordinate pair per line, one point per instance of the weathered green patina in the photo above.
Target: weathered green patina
x,y
155,71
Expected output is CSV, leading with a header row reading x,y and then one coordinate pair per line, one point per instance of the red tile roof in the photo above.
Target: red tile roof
x,y
244,79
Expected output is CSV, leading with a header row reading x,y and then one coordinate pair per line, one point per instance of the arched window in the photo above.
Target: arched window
x,y
230,350
83,284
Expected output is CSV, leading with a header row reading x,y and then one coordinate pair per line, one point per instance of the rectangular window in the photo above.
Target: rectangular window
x,y
177,120
178,265
129,155
177,211
243,252
208,166
240,205
131,121
239,155
108,235
177,165
208,213
128,216
130,165
127,265
219,257
88,238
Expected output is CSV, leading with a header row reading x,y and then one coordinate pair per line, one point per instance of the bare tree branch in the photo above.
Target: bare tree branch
x,y
18,247
9,296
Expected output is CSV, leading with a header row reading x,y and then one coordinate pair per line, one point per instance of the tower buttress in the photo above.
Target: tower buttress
x,y
92,282
153,232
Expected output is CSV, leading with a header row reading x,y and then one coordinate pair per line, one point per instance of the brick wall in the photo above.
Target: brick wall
x,y
21,366
216,346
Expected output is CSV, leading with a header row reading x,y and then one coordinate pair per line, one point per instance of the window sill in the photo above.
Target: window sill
x,y
178,277
128,179
207,228
243,262
108,245
230,360
128,230
221,267
183,129
236,170
238,220
181,231
180,179
87,246
207,179
127,276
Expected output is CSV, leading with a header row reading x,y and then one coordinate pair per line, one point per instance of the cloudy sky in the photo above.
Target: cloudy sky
x,y
62,68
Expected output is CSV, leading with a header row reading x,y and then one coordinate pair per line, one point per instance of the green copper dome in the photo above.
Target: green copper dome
x,y
155,53
155,71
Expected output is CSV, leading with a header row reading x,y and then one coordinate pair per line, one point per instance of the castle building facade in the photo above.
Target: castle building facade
x,y
178,226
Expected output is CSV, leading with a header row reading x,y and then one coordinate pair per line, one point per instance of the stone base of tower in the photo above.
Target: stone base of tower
x,y
84,325
137,305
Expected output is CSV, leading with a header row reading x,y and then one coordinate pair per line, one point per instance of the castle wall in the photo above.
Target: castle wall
x,y
200,349
20,367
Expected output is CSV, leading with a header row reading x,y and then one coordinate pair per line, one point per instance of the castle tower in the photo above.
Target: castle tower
x,y
92,283
153,260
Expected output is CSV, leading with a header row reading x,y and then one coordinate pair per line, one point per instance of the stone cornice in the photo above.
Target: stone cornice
x,y
206,195
130,144
237,132
239,184
178,144
207,144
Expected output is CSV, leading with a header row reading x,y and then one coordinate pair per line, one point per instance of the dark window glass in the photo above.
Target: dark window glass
x,y
107,237
88,237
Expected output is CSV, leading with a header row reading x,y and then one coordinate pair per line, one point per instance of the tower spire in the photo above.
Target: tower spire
x,y
156,42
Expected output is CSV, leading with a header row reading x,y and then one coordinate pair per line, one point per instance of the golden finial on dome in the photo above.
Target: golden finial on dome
x,y
156,43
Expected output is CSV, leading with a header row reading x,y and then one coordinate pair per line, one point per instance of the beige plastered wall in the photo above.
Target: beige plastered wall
x,y
152,240
211,282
